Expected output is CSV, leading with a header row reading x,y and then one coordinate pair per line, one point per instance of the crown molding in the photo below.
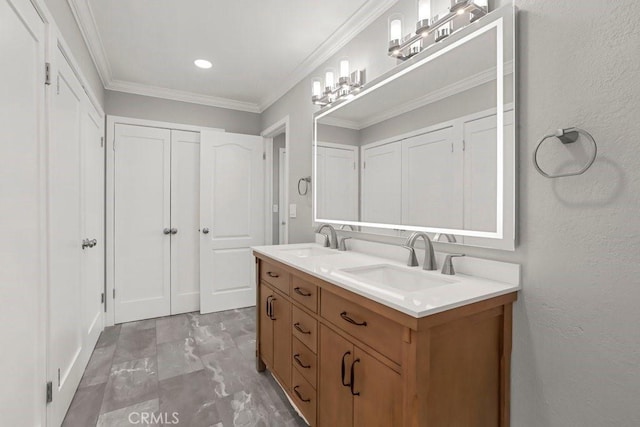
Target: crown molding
x,y
179,95
357,22
341,123
84,17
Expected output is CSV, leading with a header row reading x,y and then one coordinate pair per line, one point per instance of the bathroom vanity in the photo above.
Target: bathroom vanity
x,y
357,340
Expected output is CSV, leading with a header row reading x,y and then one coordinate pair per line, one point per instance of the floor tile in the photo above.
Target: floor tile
x,y
99,366
85,407
130,383
131,415
109,336
177,358
191,398
135,344
172,328
210,339
139,325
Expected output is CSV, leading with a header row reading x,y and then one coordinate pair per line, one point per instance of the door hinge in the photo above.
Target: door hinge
x,y
264,155
364,165
114,293
49,392
47,73
58,85
464,145
102,298
102,141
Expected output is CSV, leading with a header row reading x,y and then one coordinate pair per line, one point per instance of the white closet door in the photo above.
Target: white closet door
x,y
185,218
93,224
337,187
21,263
66,329
142,213
382,183
432,180
232,210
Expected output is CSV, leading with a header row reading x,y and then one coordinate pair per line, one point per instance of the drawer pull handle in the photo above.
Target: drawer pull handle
x,y
299,329
296,357
274,275
344,356
353,379
346,317
268,306
295,390
301,292
271,315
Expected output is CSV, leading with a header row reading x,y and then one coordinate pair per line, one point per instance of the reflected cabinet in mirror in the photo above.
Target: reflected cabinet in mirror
x,y
429,146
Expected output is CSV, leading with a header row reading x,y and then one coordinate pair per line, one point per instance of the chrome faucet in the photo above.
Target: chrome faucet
x,y
329,242
447,267
450,237
343,244
429,256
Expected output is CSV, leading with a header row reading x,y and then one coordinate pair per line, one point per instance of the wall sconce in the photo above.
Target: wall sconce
x,y
336,89
440,25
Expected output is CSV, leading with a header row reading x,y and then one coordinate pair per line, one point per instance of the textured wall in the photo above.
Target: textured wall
x,y
576,359
166,110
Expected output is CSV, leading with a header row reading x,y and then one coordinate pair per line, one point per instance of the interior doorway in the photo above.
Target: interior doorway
x,y
277,206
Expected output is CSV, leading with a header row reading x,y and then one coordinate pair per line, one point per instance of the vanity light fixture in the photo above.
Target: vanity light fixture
x,y
202,63
441,26
331,89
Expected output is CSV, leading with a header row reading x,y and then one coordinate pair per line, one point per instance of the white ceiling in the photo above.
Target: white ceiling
x,y
259,48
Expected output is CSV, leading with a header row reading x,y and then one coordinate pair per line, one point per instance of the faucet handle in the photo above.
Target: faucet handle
x,y
413,261
447,267
326,239
343,245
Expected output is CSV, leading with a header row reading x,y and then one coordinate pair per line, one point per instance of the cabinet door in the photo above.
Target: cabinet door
x,y
266,325
381,183
281,339
379,402
335,402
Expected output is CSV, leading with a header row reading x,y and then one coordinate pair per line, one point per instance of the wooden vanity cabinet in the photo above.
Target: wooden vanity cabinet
x,y
348,361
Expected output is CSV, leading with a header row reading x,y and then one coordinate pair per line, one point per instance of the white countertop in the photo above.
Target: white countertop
x,y
461,289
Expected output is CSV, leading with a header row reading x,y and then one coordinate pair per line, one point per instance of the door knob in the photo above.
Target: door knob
x,y
205,231
167,231
86,243
92,243
174,231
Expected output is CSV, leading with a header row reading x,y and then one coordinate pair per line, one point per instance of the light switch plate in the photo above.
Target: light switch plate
x,y
275,208
293,210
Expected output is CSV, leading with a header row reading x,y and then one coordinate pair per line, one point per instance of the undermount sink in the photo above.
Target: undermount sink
x,y
397,277
309,252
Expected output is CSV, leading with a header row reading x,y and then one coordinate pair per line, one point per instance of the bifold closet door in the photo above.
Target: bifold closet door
x,y
142,236
185,219
231,217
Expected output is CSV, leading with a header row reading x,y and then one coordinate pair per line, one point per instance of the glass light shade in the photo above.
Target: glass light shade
x,y
424,9
344,68
395,28
329,79
439,9
482,3
316,87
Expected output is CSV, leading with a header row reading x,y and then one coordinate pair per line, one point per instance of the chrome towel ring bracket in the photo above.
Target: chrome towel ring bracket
x,y
566,136
304,189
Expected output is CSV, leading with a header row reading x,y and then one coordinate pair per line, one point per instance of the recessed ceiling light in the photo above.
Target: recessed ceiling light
x,y
202,63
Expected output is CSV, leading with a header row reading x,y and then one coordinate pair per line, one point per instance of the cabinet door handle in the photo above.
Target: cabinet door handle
x,y
167,231
301,330
296,357
268,306
301,292
271,316
295,390
174,231
353,379
344,356
274,275
346,317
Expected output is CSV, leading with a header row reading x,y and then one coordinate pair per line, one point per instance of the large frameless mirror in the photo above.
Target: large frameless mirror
x,y
429,146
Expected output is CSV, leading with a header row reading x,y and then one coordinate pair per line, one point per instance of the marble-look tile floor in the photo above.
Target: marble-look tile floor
x,y
200,368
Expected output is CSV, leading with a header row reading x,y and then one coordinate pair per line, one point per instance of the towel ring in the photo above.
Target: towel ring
x,y
307,182
566,136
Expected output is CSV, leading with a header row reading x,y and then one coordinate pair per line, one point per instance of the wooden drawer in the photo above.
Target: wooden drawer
x,y
305,293
275,276
305,361
377,331
304,396
305,328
